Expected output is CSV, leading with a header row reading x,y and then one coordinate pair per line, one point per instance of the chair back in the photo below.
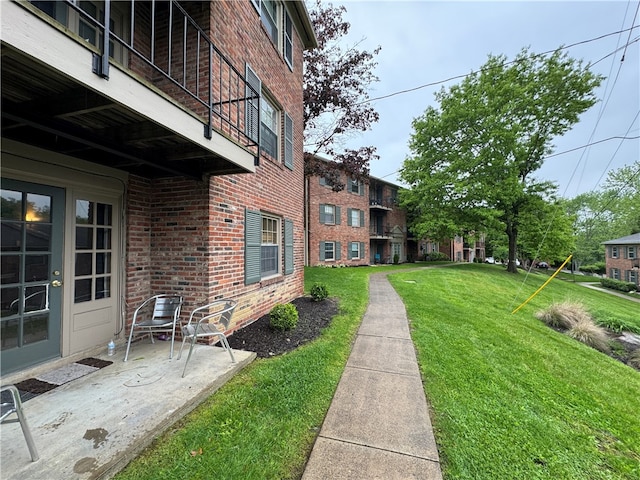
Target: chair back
x,y
225,318
167,307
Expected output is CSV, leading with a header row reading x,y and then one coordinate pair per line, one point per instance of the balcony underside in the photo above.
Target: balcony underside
x,y
47,109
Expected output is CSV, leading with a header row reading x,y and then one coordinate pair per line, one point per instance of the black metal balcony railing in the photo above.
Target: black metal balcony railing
x,y
165,46
386,202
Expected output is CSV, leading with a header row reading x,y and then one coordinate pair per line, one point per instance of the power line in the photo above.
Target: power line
x,y
456,77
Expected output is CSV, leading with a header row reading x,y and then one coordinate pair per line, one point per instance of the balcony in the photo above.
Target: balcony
x,y
379,203
380,232
164,102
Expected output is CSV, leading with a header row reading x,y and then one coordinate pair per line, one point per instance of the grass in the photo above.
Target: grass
x,y
262,423
512,398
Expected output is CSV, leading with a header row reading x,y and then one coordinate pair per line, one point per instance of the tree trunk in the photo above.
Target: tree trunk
x,y
512,235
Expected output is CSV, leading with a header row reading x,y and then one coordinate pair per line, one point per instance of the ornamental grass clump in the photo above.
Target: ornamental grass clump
x,y
283,316
564,315
590,334
634,359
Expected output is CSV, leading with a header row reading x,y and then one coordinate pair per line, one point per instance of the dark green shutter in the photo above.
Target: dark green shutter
x,y
252,92
322,251
252,246
288,247
349,210
349,253
337,215
288,141
362,252
362,218
322,217
338,253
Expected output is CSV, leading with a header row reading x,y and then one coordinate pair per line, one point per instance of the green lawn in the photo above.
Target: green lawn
x,y
511,398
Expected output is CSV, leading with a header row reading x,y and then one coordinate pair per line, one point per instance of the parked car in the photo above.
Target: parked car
x,y
489,260
543,265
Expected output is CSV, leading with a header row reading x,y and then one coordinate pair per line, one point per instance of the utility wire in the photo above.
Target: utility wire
x,y
456,77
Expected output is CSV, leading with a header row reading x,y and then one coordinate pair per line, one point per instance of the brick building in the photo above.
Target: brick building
x,y
622,259
160,152
360,225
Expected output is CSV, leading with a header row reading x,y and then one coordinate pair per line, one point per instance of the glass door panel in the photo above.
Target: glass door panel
x,y
31,261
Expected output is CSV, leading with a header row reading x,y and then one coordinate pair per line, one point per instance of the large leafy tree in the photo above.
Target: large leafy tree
x,y
336,82
474,157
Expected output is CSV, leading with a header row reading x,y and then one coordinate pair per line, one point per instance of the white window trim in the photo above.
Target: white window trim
x,y
278,244
333,251
359,254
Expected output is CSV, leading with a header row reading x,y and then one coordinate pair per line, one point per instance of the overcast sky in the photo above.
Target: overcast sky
x,y
429,41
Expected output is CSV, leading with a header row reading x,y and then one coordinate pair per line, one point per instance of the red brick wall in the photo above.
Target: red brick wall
x,y
343,233
186,236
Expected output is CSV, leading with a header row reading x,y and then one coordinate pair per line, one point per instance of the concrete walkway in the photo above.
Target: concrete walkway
x,y
378,425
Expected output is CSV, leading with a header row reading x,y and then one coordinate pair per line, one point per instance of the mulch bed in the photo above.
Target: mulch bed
x,y
260,338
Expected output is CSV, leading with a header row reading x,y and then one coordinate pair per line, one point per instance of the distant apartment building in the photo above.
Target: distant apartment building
x,y
622,258
359,225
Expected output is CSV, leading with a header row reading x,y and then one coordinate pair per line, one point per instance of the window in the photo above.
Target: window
x,y
265,249
632,276
355,217
614,273
93,234
288,40
614,251
329,251
329,214
631,252
356,250
279,26
269,127
356,186
87,29
269,246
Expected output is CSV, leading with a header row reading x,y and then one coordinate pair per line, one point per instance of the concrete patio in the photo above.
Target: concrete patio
x,y
91,427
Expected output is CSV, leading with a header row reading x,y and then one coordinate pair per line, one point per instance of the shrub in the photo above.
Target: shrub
x,y
283,316
634,359
599,268
590,334
564,315
618,285
319,292
436,256
396,259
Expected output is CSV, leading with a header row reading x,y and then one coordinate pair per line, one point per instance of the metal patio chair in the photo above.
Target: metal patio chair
x,y
15,406
210,320
163,318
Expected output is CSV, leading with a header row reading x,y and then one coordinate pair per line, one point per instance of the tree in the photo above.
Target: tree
x,y
474,158
336,81
612,212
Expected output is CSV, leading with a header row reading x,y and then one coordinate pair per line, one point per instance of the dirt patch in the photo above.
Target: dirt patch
x,y
260,338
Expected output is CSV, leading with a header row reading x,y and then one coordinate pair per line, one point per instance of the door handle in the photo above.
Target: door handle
x,y
56,283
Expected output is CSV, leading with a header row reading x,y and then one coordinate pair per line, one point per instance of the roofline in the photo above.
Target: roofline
x,y
302,20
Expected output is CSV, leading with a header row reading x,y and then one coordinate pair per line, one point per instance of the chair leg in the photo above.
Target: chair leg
x,y
193,342
225,344
23,421
126,355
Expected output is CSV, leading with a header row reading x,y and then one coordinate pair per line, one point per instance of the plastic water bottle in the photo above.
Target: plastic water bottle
x,y
111,348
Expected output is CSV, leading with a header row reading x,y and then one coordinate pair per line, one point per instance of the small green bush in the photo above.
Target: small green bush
x,y
599,268
618,285
396,259
436,256
283,316
319,292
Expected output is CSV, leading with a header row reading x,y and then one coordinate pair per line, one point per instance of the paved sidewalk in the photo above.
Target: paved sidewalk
x,y
378,425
